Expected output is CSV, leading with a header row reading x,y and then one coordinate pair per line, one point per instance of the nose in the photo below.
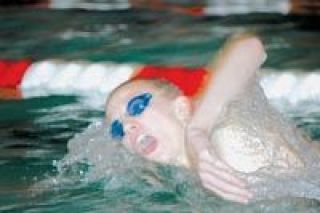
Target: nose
x,y
132,130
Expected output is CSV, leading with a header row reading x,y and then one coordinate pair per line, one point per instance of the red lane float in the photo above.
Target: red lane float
x,y
12,72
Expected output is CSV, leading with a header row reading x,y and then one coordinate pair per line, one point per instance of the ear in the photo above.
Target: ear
x,y
182,108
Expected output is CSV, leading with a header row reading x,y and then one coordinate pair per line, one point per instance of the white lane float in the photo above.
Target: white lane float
x,y
83,78
293,86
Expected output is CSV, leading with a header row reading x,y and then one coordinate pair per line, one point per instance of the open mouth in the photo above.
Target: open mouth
x,y
146,144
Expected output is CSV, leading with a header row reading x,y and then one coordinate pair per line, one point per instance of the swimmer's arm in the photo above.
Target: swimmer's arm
x,y
234,66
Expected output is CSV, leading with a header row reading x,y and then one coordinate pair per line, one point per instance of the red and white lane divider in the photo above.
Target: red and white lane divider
x,y
202,8
61,77
196,8
49,77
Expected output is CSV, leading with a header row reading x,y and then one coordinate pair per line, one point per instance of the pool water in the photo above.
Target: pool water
x,y
34,132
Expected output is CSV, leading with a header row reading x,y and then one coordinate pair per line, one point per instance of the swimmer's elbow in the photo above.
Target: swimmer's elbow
x,y
255,45
247,41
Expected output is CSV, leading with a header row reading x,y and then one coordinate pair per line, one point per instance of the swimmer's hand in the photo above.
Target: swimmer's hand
x,y
214,174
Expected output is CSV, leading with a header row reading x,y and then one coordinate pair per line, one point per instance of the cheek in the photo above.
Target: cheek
x,y
166,149
164,128
156,120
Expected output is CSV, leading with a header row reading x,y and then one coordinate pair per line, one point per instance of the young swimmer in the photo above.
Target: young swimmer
x,y
221,126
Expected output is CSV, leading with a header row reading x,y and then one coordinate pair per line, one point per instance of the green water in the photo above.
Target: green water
x,y
152,37
34,132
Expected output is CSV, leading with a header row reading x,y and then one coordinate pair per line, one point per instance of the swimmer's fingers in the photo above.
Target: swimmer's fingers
x,y
209,161
224,185
224,190
222,173
220,178
213,159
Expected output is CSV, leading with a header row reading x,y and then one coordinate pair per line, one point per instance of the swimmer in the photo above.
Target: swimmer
x,y
219,127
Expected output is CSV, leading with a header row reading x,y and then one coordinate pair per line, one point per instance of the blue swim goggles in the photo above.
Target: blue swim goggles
x,y
135,107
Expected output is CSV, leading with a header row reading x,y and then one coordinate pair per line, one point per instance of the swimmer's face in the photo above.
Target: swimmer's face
x,y
148,123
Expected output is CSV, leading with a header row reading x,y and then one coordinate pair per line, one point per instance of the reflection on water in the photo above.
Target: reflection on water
x,y
130,36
